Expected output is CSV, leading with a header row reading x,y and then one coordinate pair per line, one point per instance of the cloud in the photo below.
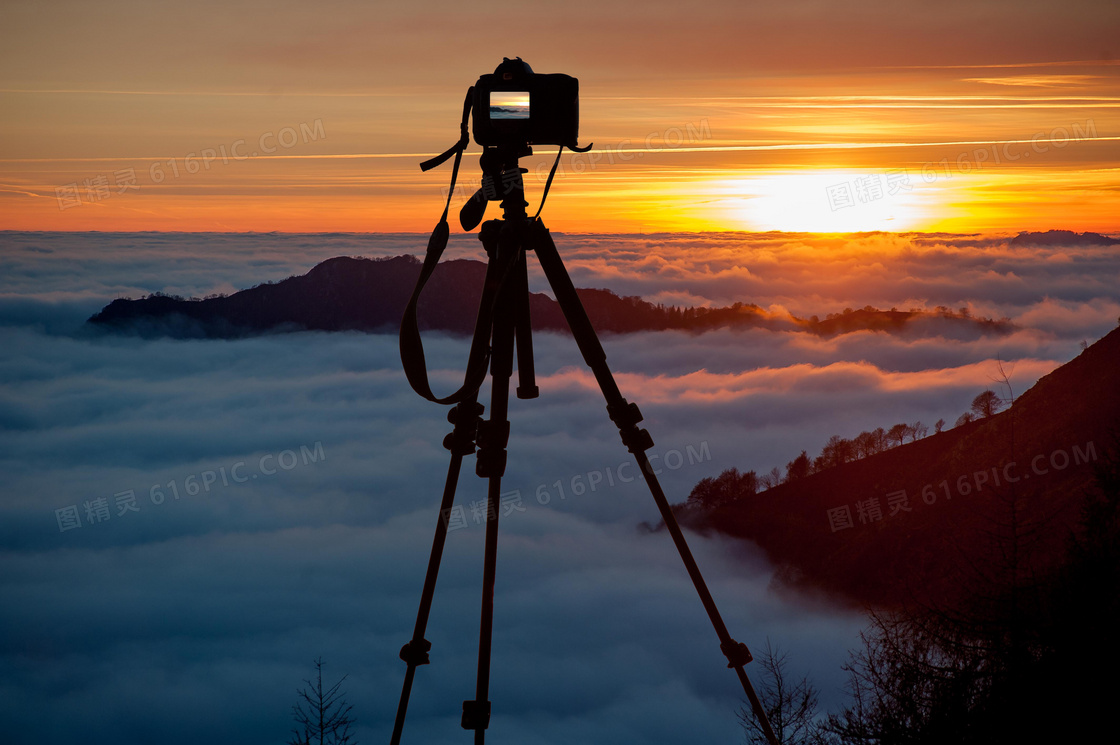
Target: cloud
x,y
226,595
216,600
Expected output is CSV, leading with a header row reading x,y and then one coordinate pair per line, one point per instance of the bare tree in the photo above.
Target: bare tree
x,y
790,706
323,716
938,426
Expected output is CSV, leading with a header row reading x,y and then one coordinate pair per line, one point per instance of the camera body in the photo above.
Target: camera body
x,y
515,106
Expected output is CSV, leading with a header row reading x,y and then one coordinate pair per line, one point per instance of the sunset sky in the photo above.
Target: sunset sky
x,y
792,116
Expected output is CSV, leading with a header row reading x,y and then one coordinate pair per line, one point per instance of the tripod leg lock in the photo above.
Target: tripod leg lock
x,y
476,715
626,416
465,416
736,653
492,440
416,653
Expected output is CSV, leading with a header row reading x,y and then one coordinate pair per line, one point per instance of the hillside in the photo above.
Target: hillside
x,y
1023,471
346,293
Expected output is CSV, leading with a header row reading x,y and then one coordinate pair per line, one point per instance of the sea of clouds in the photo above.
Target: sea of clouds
x,y
272,500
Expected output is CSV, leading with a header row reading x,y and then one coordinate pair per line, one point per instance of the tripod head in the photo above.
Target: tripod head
x,y
501,181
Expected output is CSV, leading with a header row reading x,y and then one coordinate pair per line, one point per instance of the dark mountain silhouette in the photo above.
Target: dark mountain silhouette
x,y
348,293
963,505
1062,238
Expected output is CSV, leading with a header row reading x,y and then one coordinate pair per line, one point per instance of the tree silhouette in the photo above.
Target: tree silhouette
x,y
771,479
799,467
866,444
1014,661
323,716
790,706
986,404
726,487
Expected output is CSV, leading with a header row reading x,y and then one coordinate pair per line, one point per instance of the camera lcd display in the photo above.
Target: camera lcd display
x,y
515,107
509,104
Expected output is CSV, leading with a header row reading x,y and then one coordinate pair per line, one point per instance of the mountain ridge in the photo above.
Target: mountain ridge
x,y
844,530
358,294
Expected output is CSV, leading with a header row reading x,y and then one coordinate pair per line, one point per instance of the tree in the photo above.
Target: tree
x,y
1014,658
966,418
790,706
727,487
918,431
798,468
771,479
904,688
323,716
865,445
836,452
986,404
897,433
938,426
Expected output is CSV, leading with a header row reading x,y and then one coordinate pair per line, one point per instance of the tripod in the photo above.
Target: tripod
x,y
504,322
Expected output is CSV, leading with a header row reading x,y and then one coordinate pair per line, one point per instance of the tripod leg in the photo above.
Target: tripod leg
x,y
493,436
523,332
626,416
460,442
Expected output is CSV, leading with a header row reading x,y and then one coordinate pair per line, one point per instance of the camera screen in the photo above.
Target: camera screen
x,y
509,104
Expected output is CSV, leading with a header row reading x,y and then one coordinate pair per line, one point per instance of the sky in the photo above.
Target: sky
x,y
730,116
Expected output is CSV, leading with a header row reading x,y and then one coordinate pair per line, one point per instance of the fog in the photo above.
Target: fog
x,y
284,488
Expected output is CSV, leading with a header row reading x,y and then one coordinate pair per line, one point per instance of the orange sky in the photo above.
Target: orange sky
x,y
787,116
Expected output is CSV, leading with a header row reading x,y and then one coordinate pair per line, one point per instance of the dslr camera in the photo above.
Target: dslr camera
x,y
515,106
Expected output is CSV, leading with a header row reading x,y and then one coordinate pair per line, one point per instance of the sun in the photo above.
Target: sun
x,y
828,201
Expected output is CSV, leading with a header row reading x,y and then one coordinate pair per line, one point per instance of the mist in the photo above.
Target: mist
x,y
272,499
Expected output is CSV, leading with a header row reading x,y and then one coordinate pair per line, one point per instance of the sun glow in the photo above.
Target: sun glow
x,y
831,201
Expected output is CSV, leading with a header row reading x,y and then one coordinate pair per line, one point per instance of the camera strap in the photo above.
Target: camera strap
x,y
548,184
411,345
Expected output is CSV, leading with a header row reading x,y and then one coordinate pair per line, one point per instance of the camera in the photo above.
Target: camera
x,y
515,106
